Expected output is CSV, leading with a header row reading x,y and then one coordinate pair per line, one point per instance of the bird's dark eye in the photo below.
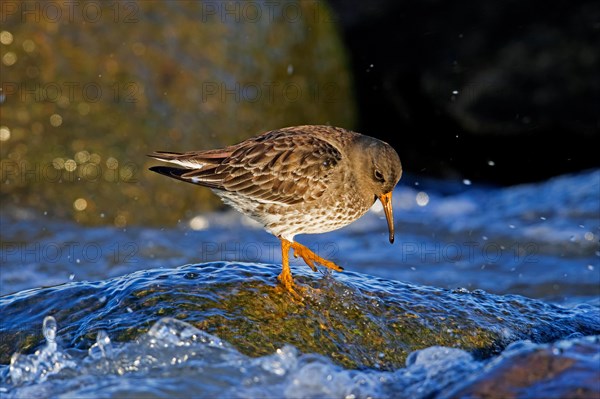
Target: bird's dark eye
x,y
379,176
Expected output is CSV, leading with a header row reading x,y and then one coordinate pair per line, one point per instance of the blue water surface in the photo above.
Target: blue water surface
x,y
538,240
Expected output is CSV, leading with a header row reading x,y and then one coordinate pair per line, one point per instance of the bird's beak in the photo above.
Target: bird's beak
x,y
386,201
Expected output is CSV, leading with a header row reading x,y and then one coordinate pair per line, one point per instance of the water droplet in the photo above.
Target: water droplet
x,y
6,37
49,328
70,165
4,133
82,157
422,198
199,223
491,163
112,163
56,120
556,351
102,348
28,45
71,277
9,58
80,204
466,182
588,236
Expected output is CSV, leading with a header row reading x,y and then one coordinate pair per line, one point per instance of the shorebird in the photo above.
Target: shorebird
x,y
296,180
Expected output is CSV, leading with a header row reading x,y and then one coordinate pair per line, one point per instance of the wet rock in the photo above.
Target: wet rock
x,y
89,88
566,369
356,320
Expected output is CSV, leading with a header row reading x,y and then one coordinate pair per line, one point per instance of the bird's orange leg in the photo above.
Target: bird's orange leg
x,y
310,257
286,275
285,278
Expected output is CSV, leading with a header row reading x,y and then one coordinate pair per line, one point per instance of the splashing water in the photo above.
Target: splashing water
x,y
44,362
174,359
102,348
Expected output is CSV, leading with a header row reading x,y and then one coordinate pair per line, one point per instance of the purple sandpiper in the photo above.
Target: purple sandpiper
x,y
296,180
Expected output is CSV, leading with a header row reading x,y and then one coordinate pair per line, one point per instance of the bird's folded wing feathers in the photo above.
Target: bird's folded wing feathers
x,y
275,167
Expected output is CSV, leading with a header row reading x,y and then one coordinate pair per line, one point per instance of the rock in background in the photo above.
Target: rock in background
x,y
504,92
89,88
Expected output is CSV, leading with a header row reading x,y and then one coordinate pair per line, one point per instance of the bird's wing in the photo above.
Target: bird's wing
x,y
278,167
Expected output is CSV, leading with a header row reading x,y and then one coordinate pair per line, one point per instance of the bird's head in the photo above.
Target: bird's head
x,y
380,169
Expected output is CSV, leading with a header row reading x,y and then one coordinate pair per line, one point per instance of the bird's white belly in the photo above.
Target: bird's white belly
x,y
289,220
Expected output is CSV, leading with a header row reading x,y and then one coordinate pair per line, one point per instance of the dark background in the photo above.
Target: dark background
x,y
527,77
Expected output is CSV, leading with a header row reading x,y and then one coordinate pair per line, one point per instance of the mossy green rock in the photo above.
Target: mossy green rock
x,y
89,88
356,320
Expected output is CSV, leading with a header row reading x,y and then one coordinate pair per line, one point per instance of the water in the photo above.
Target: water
x,y
174,359
127,320
538,240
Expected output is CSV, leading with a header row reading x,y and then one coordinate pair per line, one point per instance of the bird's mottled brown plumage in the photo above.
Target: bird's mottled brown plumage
x,y
296,180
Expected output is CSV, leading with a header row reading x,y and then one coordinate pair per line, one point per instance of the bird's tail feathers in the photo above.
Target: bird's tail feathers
x,y
191,160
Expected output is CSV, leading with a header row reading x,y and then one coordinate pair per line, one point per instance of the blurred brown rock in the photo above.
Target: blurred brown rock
x,y
89,88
